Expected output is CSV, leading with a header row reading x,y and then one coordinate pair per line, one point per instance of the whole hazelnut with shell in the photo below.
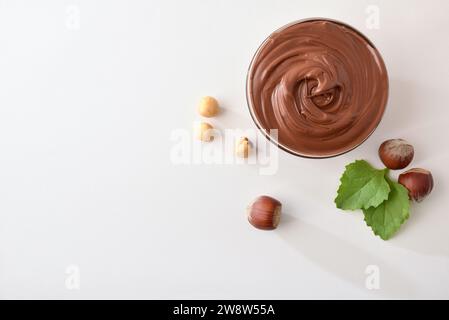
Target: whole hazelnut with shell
x,y
396,153
419,183
264,213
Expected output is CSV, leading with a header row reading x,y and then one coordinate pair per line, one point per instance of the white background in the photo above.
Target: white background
x,y
86,116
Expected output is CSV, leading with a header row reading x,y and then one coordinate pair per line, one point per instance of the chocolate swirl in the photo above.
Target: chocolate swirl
x,y
321,83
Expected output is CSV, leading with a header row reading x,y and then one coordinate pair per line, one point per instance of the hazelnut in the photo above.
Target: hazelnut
x,y
208,107
396,153
264,213
204,131
243,148
419,183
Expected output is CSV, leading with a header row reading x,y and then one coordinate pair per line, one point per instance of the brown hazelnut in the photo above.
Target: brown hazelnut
x,y
243,148
419,183
208,107
396,153
204,131
264,213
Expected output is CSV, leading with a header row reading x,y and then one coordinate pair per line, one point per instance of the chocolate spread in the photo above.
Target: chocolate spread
x,y
321,83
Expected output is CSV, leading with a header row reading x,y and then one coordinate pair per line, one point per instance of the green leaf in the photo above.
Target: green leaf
x,y
362,187
386,219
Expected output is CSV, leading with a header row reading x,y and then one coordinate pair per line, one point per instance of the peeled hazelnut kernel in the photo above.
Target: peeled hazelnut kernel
x,y
264,213
204,132
208,107
243,148
396,153
419,183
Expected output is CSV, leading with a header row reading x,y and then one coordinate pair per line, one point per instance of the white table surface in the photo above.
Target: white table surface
x,y
90,94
